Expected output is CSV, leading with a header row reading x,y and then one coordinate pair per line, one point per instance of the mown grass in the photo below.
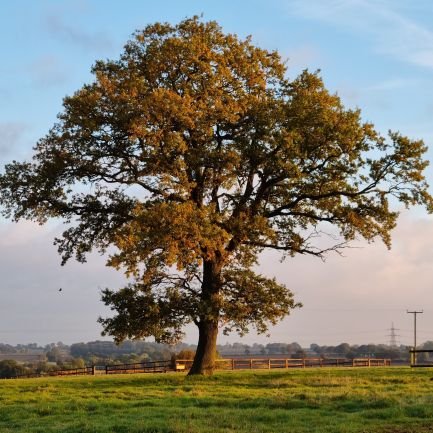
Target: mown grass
x,y
389,400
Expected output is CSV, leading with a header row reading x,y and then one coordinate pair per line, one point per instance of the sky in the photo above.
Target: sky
x,y
376,55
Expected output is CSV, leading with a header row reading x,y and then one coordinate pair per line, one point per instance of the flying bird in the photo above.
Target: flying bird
x,y
60,289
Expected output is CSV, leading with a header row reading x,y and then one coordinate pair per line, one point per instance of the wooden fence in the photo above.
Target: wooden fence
x,y
140,367
66,372
270,363
414,359
221,364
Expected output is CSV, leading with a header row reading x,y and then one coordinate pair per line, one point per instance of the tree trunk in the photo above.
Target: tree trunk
x,y
204,360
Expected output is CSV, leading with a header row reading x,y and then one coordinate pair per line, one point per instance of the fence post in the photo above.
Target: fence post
x,y
251,364
93,370
269,364
233,363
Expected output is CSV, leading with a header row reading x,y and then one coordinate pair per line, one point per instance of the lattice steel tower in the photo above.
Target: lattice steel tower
x,y
393,336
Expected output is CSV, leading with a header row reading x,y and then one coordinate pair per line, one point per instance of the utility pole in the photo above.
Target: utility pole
x,y
414,331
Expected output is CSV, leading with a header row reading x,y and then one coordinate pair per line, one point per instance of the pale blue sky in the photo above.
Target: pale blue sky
x,y
378,56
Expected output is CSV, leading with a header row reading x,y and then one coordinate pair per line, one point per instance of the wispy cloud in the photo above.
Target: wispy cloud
x,y
11,134
31,307
72,34
48,71
390,30
302,56
369,281
5,94
391,84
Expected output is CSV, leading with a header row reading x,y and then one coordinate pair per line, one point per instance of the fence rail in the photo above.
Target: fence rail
x,y
65,372
221,364
140,367
415,361
271,363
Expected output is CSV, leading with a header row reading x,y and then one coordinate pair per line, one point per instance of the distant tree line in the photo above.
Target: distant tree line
x,y
22,348
129,351
78,355
343,350
237,349
346,350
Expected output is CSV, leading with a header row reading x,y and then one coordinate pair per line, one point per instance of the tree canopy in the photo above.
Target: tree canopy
x,y
191,154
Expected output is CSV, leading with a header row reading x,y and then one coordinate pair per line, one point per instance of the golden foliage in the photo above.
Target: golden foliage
x,y
192,153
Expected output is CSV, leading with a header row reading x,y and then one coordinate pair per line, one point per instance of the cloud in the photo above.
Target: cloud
x,y
356,297
390,84
48,71
5,94
11,135
302,56
31,306
390,30
353,298
71,34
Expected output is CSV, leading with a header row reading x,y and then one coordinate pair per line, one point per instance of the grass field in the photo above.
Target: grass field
x,y
390,400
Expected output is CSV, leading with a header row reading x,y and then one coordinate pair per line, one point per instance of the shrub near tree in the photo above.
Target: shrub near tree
x,y
10,368
191,154
184,354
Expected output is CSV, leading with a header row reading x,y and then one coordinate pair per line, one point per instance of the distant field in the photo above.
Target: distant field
x,y
390,400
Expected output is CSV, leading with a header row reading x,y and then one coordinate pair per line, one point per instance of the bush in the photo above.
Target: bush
x,y
185,354
10,368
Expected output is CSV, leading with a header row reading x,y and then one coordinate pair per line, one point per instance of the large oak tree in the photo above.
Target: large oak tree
x,y
190,155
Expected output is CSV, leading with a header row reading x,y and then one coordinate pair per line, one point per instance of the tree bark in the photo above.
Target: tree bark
x,y
205,356
204,360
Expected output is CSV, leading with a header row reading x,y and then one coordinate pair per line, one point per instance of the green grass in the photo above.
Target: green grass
x,y
389,400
